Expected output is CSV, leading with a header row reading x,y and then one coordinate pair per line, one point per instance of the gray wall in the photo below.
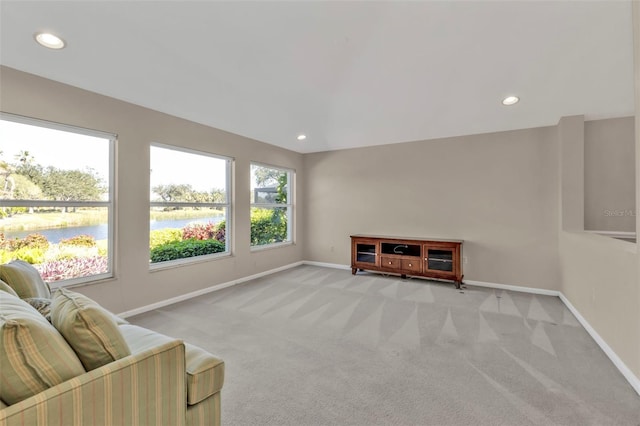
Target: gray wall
x,y
498,192
136,127
609,175
599,274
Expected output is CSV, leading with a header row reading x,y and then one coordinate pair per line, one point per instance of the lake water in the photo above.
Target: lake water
x,y
99,232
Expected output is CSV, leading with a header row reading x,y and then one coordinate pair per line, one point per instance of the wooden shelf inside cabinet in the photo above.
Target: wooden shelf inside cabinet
x,y
421,257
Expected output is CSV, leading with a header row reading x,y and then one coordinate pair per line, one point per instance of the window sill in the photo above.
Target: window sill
x,y
178,263
79,282
271,246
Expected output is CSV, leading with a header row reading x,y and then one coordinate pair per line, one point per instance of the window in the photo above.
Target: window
x,y
56,199
271,206
190,207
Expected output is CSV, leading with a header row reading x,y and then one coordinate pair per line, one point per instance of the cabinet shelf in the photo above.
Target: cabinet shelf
x,y
430,258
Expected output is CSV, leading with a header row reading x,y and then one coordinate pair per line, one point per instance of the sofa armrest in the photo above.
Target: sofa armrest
x,y
205,374
147,388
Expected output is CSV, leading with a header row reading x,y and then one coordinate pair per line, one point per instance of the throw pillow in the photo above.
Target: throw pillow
x,y
24,279
33,355
41,305
88,328
7,288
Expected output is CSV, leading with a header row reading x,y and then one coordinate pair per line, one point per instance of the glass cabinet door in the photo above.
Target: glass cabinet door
x,y
438,259
365,253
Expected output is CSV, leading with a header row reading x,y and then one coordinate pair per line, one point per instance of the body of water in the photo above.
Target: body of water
x,y
99,232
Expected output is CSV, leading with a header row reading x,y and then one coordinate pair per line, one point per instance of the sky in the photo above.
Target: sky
x,y
48,147
202,172
72,151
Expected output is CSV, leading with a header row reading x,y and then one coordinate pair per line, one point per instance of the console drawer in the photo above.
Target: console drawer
x,y
390,262
414,265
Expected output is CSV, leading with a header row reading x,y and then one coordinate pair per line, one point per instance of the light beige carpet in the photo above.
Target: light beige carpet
x,y
318,346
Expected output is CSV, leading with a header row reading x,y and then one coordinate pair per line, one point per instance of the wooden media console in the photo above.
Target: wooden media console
x,y
431,258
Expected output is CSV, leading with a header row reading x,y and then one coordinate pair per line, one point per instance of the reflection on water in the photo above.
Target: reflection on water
x,y
99,232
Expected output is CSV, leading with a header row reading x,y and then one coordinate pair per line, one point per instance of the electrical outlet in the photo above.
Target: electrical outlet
x,y
465,259
331,249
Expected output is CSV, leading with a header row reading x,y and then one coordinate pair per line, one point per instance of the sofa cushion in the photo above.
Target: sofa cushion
x,y
33,355
41,305
24,279
88,328
7,288
205,372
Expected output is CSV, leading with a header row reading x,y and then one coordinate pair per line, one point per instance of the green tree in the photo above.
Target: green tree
x,y
71,185
173,193
24,188
24,157
217,196
266,177
33,171
185,193
281,189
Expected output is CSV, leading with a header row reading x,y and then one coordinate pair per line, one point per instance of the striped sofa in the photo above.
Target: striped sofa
x,y
159,380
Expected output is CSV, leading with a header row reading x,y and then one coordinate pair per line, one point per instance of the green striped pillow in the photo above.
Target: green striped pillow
x,y
24,279
6,287
33,355
90,329
41,305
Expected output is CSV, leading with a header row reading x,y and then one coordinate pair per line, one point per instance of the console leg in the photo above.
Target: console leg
x,y
353,271
458,285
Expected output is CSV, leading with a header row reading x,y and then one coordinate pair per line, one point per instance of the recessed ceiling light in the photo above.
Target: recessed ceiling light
x,y
510,100
302,137
49,40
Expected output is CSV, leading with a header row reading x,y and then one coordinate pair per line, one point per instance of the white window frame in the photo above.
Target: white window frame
x,y
227,205
289,205
110,204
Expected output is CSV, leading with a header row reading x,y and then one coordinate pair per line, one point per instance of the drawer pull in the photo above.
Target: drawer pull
x,y
390,263
410,265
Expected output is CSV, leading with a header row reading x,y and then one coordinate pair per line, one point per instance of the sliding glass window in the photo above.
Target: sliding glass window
x,y
190,207
56,199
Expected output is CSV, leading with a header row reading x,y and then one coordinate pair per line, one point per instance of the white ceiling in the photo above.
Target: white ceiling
x,y
347,74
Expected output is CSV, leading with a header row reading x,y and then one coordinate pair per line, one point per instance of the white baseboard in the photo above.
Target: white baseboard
x,y
614,234
620,365
326,265
626,371
197,293
531,290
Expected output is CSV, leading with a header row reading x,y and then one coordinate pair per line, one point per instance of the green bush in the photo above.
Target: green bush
x,y
160,237
103,247
17,210
79,241
60,255
6,256
183,249
268,226
33,256
36,241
